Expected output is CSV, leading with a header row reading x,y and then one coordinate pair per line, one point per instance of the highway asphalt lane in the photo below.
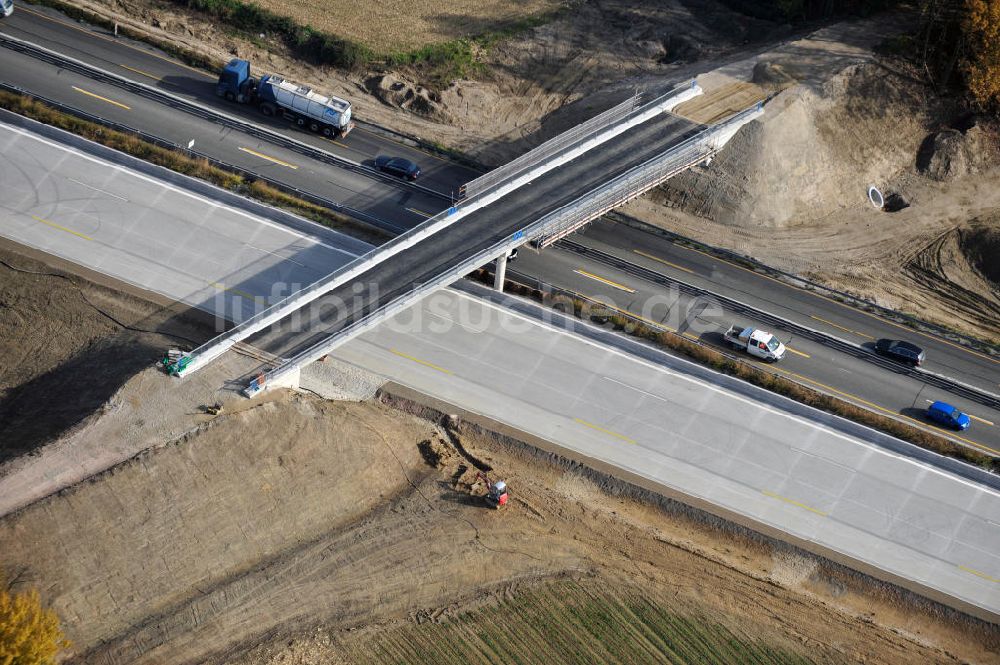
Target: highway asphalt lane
x,y
402,207
881,386
145,64
741,454
153,235
819,485
787,301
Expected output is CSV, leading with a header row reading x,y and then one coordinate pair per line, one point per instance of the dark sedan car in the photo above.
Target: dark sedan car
x,y
397,166
901,351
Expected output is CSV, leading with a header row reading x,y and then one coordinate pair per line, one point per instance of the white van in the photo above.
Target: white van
x,y
6,7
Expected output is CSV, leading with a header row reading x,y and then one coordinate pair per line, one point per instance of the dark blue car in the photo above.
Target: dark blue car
x,y
949,416
397,166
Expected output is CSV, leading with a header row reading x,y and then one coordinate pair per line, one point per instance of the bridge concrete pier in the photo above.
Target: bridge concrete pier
x,y
500,272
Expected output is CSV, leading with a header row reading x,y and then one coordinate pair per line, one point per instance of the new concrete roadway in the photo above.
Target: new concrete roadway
x,y
385,200
741,452
405,208
154,235
871,381
882,385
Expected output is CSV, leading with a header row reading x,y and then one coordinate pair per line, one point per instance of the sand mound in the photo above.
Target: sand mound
x,y
954,152
813,153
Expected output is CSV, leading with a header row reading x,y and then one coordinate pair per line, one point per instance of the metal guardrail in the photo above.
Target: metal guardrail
x,y
848,299
842,346
642,178
551,147
557,145
250,175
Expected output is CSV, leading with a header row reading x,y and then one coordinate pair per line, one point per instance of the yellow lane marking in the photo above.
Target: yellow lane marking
x,y
420,212
664,262
804,355
22,8
794,503
979,574
605,281
103,99
240,292
695,337
846,306
268,158
982,420
422,362
61,228
139,71
831,323
883,409
605,431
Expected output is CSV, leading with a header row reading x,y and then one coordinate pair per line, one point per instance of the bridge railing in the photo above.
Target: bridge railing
x,y
699,147
551,147
566,141
631,184
221,343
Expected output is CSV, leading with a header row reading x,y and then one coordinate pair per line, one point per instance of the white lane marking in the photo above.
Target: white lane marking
x,y
166,185
730,395
97,189
638,390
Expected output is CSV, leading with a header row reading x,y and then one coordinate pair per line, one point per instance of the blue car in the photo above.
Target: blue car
x,y
949,416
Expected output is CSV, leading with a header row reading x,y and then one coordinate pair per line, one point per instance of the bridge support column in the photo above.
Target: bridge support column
x,y
500,271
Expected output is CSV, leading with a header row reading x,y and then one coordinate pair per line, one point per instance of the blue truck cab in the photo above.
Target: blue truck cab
x,y
235,82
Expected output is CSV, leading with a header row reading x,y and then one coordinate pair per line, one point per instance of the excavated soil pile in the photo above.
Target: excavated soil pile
x,y
791,191
981,244
272,534
813,155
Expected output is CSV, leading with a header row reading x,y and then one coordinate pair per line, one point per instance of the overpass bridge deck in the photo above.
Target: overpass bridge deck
x,y
481,229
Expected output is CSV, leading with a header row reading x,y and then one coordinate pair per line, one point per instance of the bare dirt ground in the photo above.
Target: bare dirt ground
x,y
68,344
791,189
270,535
397,26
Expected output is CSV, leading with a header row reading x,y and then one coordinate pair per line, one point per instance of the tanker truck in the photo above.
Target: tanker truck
x,y
329,116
